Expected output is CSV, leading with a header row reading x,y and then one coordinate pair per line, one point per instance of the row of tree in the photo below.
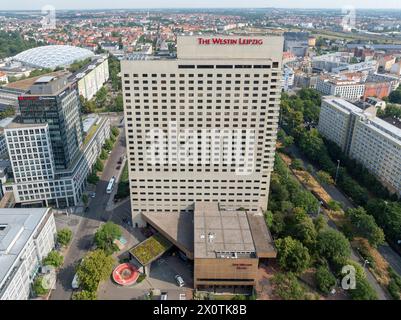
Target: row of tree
x,y
352,178
304,242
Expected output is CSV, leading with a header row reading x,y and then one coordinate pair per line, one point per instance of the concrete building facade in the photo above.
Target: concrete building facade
x,y
362,136
26,238
215,86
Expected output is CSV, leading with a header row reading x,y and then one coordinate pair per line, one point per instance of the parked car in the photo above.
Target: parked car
x,y
75,282
93,194
179,280
163,296
118,168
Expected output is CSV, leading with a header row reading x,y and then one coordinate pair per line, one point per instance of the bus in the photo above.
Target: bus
x,y
110,186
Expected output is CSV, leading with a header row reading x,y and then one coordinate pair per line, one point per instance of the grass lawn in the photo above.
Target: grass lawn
x,y
150,249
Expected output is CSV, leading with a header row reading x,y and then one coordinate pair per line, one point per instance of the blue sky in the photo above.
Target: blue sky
x,y
101,4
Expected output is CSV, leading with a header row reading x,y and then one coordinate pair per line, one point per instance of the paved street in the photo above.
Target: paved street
x,y
83,239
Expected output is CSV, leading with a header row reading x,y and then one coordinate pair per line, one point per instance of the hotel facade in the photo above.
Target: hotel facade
x,y
202,125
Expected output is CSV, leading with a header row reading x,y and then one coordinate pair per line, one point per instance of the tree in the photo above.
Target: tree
x,y
320,223
325,177
99,165
333,245
297,164
95,267
64,236
269,218
388,216
325,279
93,178
303,230
101,96
363,290
84,295
292,255
103,155
85,199
115,132
54,258
108,145
105,236
288,141
287,287
38,287
365,225
395,96
334,205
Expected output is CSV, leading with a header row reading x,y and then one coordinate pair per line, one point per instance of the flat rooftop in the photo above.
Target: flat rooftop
x,y
221,233
16,228
26,84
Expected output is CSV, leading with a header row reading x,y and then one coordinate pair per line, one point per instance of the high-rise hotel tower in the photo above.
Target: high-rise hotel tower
x,y
202,125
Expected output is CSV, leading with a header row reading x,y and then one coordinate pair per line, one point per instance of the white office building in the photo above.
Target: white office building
x,y
217,88
26,238
340,86
36,180
371,141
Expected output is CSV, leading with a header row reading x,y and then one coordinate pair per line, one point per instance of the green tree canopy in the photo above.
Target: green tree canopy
x,y
292,255
64,236
287,287
105,236
325,279
365,225
95,267
333,245
54,258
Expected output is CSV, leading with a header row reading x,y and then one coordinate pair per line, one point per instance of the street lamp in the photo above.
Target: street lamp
x,y
338,167
320,207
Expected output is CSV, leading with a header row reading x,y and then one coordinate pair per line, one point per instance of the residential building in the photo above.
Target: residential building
x,y
216,86
91,77
26,238
288,78
373,142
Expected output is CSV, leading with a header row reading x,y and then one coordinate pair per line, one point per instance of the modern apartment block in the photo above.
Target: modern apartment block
x,y
371,141
26,237
217,88
50,153
55,101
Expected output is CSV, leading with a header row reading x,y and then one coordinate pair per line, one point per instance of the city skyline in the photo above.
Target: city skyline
x,y
157,4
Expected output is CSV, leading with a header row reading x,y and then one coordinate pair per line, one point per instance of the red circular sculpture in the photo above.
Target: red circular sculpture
x,y
125,274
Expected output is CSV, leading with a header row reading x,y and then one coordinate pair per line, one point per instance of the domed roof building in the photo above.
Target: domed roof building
x,y
52,56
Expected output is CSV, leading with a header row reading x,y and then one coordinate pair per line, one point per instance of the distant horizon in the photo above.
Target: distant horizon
x,y
198,8
73,5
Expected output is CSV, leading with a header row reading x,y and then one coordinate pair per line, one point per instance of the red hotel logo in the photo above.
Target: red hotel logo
x,y
221,41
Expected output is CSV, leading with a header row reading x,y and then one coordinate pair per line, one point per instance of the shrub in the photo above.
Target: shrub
x,y
64,236
38,287
54,258
394,290
84,295
325,279
287,287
